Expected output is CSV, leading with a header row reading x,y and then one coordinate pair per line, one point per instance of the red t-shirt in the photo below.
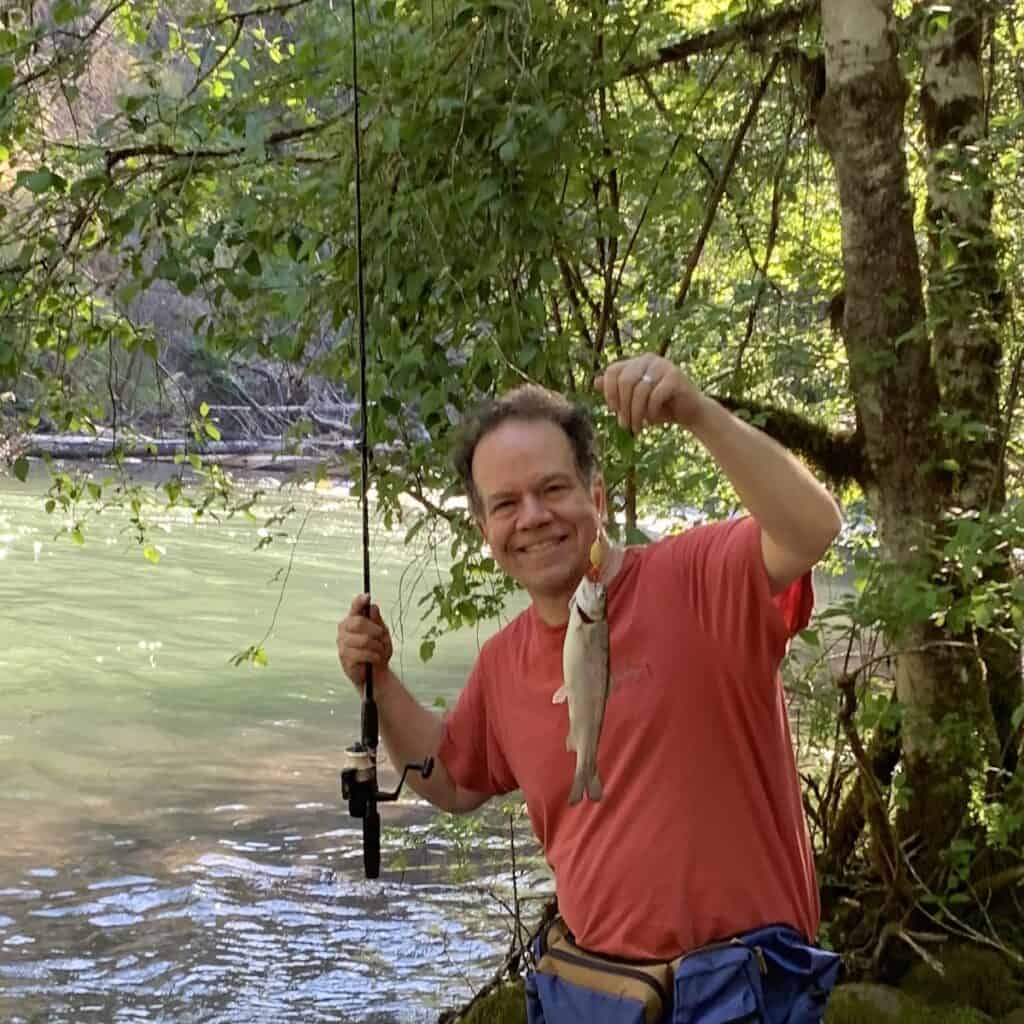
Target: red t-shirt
x,y
700,834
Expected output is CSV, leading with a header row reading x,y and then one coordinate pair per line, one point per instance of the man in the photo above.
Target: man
x,y
700,833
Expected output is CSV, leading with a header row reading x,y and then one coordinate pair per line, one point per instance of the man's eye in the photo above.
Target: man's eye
x,y
555,488
501,506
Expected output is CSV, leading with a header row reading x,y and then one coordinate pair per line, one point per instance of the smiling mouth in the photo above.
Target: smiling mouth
x,y
541,546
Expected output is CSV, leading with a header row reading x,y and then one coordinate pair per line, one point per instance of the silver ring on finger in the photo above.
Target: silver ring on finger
x,y
646,378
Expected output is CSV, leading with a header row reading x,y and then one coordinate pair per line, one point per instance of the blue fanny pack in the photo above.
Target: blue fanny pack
x,y
767,976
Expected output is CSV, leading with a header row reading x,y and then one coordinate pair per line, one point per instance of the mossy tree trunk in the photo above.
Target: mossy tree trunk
x,y
925,378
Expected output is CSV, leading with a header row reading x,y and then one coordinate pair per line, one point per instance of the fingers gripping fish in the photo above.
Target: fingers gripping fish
x,y
586,682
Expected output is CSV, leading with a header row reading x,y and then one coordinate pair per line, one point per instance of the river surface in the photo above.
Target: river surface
x,y
174,847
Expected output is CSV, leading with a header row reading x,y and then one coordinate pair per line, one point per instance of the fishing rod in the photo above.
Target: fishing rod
x,y
359,776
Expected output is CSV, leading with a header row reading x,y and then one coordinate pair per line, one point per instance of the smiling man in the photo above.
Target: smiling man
x,y
700,834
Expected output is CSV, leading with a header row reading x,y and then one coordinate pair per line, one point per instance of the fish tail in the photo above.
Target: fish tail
x,y
576,793
585,781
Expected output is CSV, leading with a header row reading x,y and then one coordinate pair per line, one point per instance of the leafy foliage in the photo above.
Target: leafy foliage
x,y
546,187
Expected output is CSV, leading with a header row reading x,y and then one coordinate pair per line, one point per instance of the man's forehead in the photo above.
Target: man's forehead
x,y
521,454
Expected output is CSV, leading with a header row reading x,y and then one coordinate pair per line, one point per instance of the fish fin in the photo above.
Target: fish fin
x,y
561,695
594,788
576,793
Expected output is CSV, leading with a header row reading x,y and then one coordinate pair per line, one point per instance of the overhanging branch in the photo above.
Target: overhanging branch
x,y
838,455
116,156
719,190
64,56
748,30
273,10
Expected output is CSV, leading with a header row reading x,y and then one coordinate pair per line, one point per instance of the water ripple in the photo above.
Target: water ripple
x,y
243,940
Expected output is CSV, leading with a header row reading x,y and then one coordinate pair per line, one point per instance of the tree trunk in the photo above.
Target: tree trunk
x,y
898,400
965,300
963,279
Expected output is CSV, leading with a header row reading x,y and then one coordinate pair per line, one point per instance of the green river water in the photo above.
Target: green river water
x,y
174,846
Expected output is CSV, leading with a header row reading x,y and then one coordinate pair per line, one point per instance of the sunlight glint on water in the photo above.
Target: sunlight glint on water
x,y
174,848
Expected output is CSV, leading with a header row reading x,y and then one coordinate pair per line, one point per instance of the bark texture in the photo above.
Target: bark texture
x,y
966,299
898,396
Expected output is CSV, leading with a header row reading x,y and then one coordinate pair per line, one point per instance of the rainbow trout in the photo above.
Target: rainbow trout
x,y
585,683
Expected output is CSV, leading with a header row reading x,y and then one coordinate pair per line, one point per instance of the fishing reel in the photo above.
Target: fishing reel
x,y
359,787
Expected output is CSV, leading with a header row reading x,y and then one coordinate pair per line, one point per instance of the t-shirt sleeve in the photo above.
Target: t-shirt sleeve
x,y
470,750
721,566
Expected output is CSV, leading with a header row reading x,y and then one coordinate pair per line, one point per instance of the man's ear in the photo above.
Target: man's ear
x,y
600,497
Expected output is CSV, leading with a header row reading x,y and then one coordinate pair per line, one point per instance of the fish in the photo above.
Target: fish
x,y
586,682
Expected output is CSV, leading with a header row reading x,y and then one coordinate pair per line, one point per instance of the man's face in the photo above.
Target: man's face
x,y
538,516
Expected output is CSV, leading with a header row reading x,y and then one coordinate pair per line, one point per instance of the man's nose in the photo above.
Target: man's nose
x,y
532,512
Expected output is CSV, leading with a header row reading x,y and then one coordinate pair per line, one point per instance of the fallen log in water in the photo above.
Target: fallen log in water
x,y
272,453
78,446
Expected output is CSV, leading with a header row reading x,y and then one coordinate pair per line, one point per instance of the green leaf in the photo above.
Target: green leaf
x,y
77,536
40,181
258,657
252,264
211,431
167,267
63,11
427,650
21,468
204,410
811,637
509,150
6,77
1017,717
151,554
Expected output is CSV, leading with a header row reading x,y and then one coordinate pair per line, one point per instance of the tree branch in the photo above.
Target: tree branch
x,y
221,57
838,455
65,55
882,756
117,156
750,30
719,190
255,12
609,247
762,273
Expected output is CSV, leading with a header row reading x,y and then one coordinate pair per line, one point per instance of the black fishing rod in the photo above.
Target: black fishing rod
x,y
359,776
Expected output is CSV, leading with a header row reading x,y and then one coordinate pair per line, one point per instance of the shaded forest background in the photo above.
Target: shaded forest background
x,y
815,208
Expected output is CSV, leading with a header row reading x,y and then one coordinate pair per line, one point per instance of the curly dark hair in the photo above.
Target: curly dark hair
x,y
529,402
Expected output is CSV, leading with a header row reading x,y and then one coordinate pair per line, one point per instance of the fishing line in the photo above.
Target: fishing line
x,y
359,777
369,737
364,446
